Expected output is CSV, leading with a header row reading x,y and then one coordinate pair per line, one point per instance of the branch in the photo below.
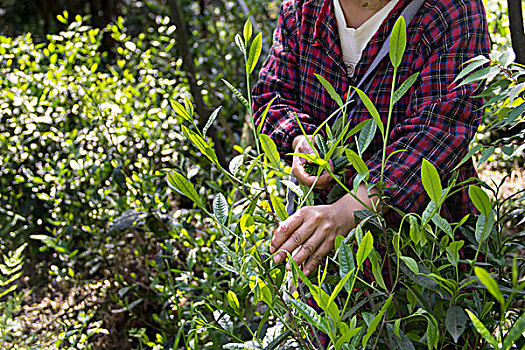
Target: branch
x,y
517,32
202,109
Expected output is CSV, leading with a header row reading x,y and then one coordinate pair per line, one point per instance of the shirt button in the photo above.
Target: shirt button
x,y
350,69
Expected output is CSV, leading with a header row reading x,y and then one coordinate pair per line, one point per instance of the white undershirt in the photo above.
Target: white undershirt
x,y
354,40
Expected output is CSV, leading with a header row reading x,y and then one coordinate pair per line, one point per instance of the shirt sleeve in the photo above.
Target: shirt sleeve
x,y
279,79
441,118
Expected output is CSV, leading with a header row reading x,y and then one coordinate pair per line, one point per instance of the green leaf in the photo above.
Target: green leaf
x,y
279,207
484,226
309,314
264,114
518,328
235,164
400,342
516,112
411,263
210,121
487,152
366,246
375,322
366,136
356,161
220,208
270,150
471,67
398,40
453,252
240,43
247,223
247,31
237,93
490,283
432,333
442,224
201,144
407,84
346,336
455,322
293,187
330,89
415,233
480,199
372,110
255,52
180,110
484,73
312,158
431,181
482,330
180,184
469,155
233,301
346,262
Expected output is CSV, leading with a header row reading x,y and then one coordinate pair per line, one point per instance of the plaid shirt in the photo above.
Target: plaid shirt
x,y
434,120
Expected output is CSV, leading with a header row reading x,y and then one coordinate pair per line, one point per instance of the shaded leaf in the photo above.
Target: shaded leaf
x,y
220,208
455,322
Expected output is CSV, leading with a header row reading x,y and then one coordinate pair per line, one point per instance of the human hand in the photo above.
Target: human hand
x,y
301,145
315,228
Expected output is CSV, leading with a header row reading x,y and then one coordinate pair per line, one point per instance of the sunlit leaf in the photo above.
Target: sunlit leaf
x,y
398,40
431,181
330,89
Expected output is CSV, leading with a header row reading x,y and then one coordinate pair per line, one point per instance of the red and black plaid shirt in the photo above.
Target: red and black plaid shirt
x,y
434,120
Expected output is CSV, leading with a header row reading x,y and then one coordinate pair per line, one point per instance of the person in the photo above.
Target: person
x,y
435,120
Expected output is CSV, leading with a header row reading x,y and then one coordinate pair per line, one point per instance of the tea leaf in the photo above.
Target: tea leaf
x,y
235,164
309,314
255,52
278,207
372,110
455,322
471,67
346,262
398,343
411,263
356,161
366,136
490,283
366,246
407,84
220,208
515,332
330,89
247,31
375,322
482,330
237,93
398,40
180,184
264,114
469,155
480,199
270,150
180,110
233,301
210,121
293,187
431,181
247,223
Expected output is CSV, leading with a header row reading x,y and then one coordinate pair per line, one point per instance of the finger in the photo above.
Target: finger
x,y
296,239
308,247
300,174
324,180
285,229
316,259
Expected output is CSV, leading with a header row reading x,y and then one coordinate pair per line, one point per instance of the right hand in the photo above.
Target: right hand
x,y
300,145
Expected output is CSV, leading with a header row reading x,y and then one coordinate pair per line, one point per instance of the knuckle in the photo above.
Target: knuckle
x,y
308,248
296,238
316,258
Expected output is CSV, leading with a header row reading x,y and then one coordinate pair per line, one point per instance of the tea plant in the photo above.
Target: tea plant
x,y
438,271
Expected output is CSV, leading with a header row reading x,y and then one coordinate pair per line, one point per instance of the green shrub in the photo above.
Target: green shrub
x,y
445,291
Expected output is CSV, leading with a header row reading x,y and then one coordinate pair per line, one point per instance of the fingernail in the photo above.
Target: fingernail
x,y
288,267
277,258
307,272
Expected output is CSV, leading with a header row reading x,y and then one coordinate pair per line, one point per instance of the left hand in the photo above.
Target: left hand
x,y
315,228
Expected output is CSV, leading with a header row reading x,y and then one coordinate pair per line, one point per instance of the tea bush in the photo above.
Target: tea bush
x,y
452,285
